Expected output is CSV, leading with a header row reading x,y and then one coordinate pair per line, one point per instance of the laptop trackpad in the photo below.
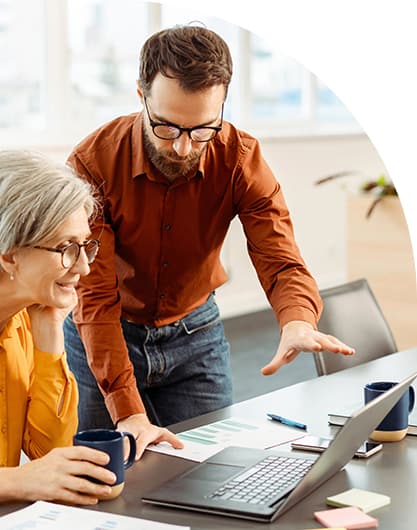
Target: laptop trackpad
x,y
213,472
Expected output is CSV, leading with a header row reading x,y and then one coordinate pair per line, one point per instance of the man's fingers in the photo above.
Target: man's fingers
x,y
141,445
162,435
279,361
332,344
175,441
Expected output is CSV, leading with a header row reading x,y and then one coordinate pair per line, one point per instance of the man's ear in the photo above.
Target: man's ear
x,y
139,90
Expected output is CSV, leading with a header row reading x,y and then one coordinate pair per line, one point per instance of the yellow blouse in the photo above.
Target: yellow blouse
x,y
38,396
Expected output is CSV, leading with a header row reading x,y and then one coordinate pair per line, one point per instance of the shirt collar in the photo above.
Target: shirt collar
x,y
140,164
9,329
202,163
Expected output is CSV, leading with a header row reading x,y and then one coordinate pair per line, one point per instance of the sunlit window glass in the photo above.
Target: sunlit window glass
x,y
276,84
105,37
68,66
22,64
172,16
329,108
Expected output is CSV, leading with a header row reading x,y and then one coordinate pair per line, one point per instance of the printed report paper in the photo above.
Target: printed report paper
x,y
47,515
205,441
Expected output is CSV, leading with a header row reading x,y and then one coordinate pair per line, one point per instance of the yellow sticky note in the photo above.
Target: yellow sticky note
x,y
362,499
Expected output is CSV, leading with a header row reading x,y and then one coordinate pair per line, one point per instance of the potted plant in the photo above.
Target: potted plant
x,y
379,188
378,247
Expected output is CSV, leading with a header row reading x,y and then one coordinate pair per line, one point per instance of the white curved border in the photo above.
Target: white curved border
x,y
365,51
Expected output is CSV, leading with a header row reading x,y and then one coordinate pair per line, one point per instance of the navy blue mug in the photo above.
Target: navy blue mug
x,y
394,426
110,442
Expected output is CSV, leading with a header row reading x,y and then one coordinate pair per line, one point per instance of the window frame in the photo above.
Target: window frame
x,y
61,131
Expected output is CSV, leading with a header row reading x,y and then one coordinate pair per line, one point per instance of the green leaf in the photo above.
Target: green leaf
x,y
381,181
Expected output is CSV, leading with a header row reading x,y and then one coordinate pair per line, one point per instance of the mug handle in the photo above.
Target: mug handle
x,y
132,453
411,399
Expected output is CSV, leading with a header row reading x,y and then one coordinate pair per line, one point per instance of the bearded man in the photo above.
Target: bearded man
x,y
146,343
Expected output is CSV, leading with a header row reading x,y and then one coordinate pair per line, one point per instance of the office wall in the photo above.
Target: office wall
x,y
319,212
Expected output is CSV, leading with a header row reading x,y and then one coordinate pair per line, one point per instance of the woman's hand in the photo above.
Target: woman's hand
x,y
146,433
46,325
59,476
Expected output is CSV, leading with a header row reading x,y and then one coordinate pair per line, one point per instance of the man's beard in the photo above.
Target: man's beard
x,y
168,163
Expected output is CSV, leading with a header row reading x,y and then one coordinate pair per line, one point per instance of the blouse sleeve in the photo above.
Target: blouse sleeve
x,y
51,418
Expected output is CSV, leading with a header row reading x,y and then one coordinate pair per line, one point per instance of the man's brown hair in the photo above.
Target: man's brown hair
x,y
195,56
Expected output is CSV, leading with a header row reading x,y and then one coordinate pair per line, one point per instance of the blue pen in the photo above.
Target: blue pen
x,y
286,421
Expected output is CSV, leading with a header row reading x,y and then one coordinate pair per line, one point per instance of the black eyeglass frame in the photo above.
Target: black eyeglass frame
x,y
188,130
79,245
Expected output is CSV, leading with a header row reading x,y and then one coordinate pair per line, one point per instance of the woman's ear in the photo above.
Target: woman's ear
x,y
8,263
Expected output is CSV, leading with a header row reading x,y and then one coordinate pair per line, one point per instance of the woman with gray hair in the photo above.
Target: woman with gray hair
x,y
44,250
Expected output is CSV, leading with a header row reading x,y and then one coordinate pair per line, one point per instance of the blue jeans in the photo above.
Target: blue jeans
x,y
182,370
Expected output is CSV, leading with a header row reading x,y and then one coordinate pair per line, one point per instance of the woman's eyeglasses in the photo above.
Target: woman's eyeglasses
x,y
70,253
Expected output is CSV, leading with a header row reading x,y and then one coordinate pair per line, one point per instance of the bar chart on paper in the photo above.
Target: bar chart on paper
x,y
202,442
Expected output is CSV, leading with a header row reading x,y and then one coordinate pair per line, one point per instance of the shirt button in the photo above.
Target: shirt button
x,y
165,264
3,429
167,227
162,296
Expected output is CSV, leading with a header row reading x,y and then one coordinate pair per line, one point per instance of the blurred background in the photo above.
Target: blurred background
x,y
67,66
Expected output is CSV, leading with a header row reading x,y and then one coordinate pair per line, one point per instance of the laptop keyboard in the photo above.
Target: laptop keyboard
x,y
269,479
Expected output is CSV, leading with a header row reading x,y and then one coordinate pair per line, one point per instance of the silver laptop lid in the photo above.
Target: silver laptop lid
x,y
354,432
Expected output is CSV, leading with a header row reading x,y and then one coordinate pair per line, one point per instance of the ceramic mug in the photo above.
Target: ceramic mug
x,y
110,442
394,426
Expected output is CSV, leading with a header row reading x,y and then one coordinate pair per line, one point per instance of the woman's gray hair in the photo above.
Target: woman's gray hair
x,y
36,196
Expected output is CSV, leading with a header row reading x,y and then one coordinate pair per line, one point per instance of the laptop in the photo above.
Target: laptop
x,y
229,482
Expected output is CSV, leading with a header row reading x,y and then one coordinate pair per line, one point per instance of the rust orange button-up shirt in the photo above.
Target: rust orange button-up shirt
x,y
161,242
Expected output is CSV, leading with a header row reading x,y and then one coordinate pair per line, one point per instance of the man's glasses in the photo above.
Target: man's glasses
x,y
170,131
70,253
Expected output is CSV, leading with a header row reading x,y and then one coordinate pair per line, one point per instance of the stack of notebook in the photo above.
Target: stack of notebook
x,y
339,417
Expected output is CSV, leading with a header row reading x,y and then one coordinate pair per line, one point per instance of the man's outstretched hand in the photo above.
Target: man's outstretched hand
x,y
298,336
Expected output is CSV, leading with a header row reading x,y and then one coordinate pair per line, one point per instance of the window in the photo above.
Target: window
x,y
329,108
22,65
104,42
67,67
276,84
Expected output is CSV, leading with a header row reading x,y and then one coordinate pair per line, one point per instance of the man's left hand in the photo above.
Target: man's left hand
x,y
298,336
